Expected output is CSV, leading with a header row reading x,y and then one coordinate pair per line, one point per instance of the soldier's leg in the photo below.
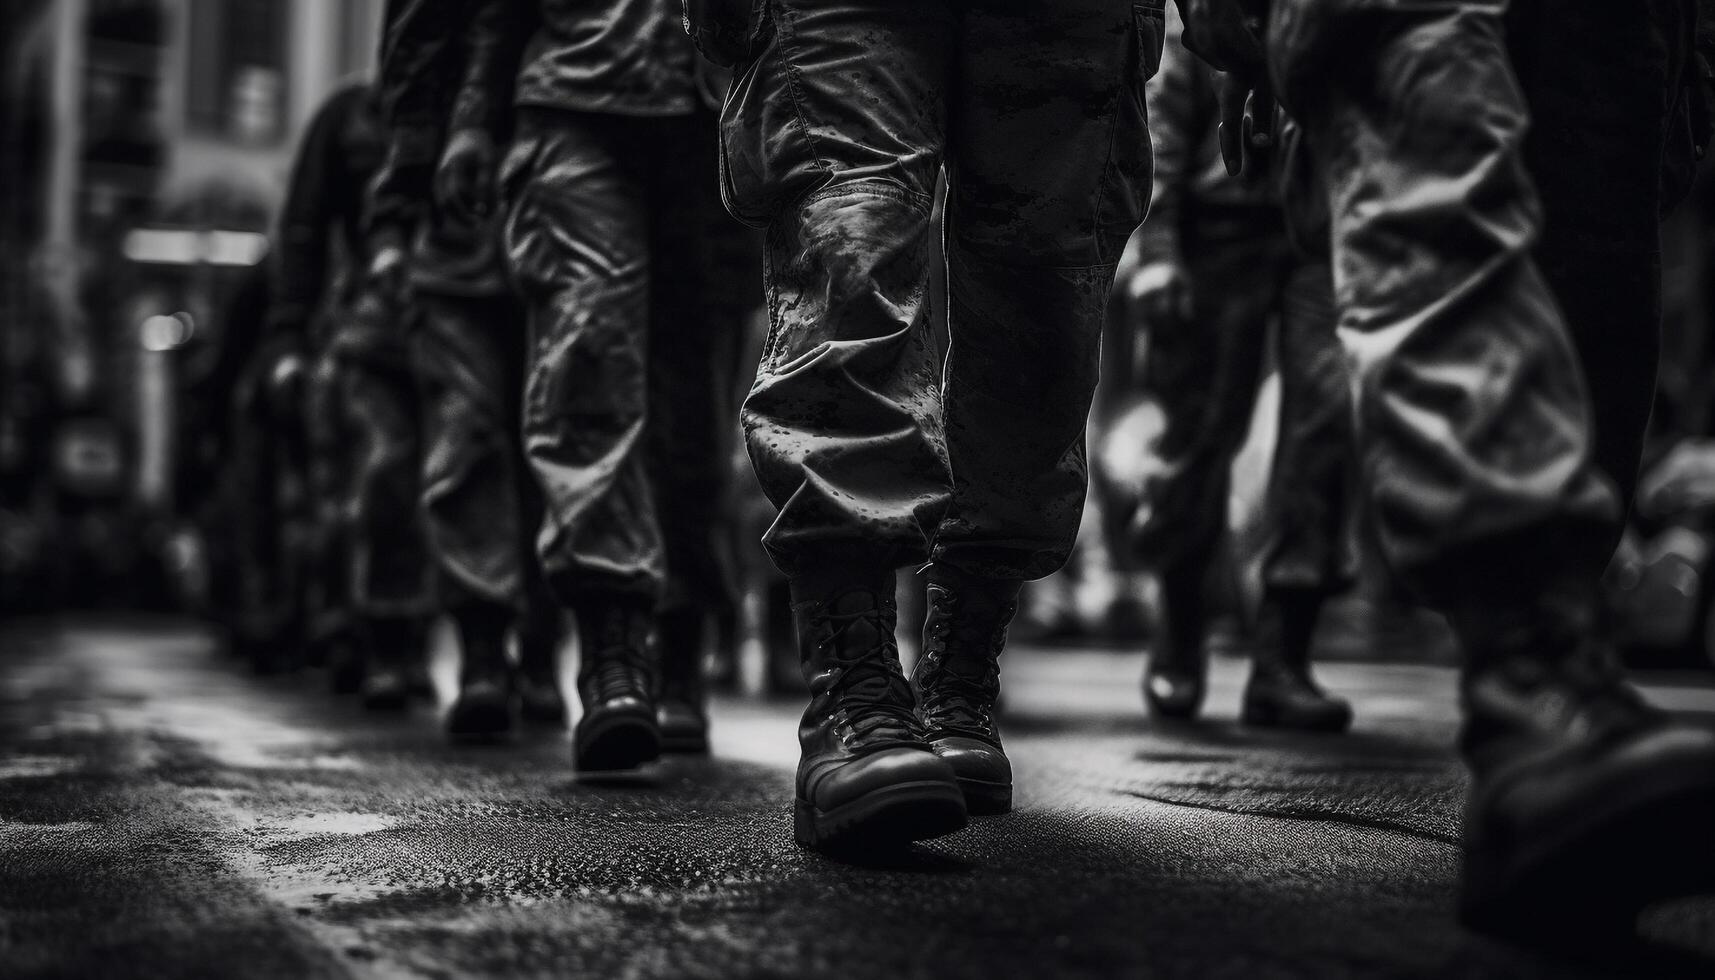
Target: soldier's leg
x,y
1475,430
392,574
466,349
330,619
1204,373
1599,91
1310,552
577,242
697,313
1048,174
832,138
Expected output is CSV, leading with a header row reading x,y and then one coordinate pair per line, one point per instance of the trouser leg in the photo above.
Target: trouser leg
x,y
832,139
1311,544
697,310
1599,89
1204,373
391,573
1473,417
1048,174
577,242
468,352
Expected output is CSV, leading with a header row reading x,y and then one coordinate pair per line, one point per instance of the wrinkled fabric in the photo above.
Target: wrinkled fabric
x,y
621,396
468,355
1474,420
1248,282
1189,172
1604,93
627,57
833,136
390,572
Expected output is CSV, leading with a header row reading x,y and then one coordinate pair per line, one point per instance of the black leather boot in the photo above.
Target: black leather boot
x,y
867,775
1281,692
958,681
1585,804
682,709
390,646
1177,677
484,705
538,678
616,684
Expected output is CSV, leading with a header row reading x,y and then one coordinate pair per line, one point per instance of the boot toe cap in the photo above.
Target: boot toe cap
x,y
834,785
973,758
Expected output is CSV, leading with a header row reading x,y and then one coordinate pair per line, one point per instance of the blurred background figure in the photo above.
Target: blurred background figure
x,y
448,104
293,455
1217,278
633,280
334,271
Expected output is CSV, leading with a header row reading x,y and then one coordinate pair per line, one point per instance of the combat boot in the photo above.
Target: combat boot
x,y
391,644
1281,692
866,775
618,729
484,705
1585,804
682,710
538,677
958,681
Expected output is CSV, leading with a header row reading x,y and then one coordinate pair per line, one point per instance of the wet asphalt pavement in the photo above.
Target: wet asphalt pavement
x,y
164,814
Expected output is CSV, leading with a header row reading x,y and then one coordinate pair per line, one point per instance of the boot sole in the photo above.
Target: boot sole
x,y
388,702
480,719
984,798
887,817
1586,887
685,744
615,743
544,719
1271,718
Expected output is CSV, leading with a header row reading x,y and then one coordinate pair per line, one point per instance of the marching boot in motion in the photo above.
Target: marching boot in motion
x,y
683,702
484,705
538,678
867,774
958,681
1583,798
616,678
392,645
1281,692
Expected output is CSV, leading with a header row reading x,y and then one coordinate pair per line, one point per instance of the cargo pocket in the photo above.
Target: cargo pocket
x,y
740,179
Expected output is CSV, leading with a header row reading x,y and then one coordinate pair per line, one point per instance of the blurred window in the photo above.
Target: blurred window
x,y
238,68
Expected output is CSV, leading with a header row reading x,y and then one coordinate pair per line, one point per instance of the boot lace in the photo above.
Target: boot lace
x,y
961,700
618,667
872,698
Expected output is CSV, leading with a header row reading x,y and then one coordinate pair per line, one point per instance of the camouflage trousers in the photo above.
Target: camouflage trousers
x,y
834,133
1492,480
636,285
1205,373
381,540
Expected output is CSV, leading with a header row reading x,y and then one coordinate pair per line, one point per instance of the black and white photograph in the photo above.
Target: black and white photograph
x,y
942,489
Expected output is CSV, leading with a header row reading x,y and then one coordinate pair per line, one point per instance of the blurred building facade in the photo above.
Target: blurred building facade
x,y
144,148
